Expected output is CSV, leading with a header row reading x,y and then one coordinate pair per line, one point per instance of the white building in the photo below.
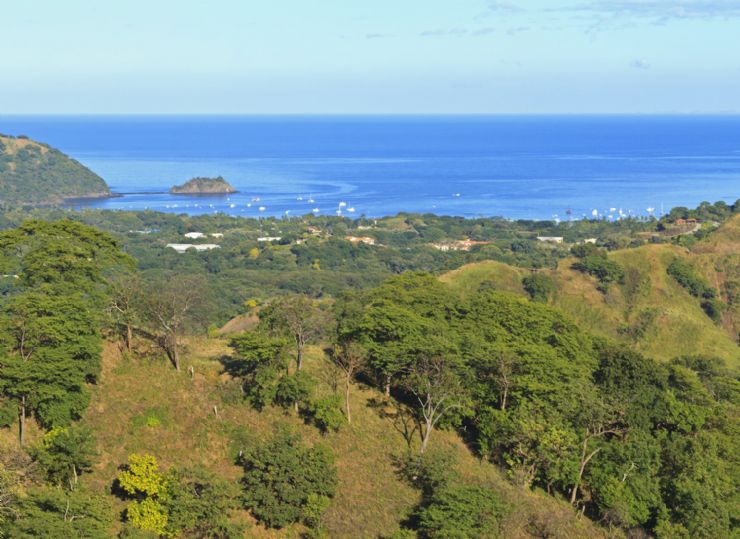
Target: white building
x,y
183,247
269,238
550,239
195,235
217,235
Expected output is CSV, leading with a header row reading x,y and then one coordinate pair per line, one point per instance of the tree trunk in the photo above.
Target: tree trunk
x,y
175,351
299,358
503,398
388,385
346,401
584,461
425,439
129,337
22,421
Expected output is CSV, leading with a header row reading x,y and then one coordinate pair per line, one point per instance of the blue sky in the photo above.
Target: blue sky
x,y
370,56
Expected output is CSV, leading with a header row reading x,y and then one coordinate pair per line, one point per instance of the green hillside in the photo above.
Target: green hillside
x,y
143,406
35,173
649,310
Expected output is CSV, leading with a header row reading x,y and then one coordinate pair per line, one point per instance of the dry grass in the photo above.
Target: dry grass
x,y
680,326
371,499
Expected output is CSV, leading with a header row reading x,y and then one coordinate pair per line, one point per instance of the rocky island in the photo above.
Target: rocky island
x,y
203,186
33,174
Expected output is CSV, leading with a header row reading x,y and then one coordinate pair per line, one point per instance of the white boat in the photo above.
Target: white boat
x,y
316,210
342,204
262,208
299,198
351,209
310,199
249,205
232,205
338,212
255,199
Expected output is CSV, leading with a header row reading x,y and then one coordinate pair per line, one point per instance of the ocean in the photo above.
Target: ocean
x,y
530,167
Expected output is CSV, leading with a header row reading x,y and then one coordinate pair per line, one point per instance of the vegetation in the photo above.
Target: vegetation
x,y
286,482
35,173
491,402
198,186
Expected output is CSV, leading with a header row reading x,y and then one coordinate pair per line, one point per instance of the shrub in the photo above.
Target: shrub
x,y
686,277
65,453
294,389
281,476
461,511
539,286
605,270
326,413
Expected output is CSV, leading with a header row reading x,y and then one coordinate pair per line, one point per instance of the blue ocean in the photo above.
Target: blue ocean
x,y
535,167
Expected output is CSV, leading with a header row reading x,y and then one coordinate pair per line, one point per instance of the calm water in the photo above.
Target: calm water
x,y
518,167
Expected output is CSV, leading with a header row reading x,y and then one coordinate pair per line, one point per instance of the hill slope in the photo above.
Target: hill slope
x,y
35,173
144,406
650,310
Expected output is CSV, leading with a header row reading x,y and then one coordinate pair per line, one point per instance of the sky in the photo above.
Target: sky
x,y
370,56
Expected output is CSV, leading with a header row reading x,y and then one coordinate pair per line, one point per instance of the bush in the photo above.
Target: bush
x,y
462,512
190,502
713,308
280,478
605,270
294,389
52,512
64,454
686,277
539,286
326,413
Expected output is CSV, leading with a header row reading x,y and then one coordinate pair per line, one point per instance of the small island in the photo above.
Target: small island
x,y
203,186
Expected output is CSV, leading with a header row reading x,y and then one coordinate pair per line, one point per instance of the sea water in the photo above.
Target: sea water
x,y
534,167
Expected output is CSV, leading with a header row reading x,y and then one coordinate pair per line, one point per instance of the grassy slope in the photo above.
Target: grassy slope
x,y
371,499
679,327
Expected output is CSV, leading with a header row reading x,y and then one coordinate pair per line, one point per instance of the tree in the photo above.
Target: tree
x,y
437,390
177,501
539,286
200,504
124,307
299,318
281,476
258,361
50,337
173,306
64,453
51,512
350,358
52,347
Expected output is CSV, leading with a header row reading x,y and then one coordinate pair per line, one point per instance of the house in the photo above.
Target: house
x,y
367,240
460,245
592,241
550,239
217,235
183,247
269,238
680,222
195,235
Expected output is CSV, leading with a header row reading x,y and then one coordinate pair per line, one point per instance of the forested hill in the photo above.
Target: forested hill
x,y
33,173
